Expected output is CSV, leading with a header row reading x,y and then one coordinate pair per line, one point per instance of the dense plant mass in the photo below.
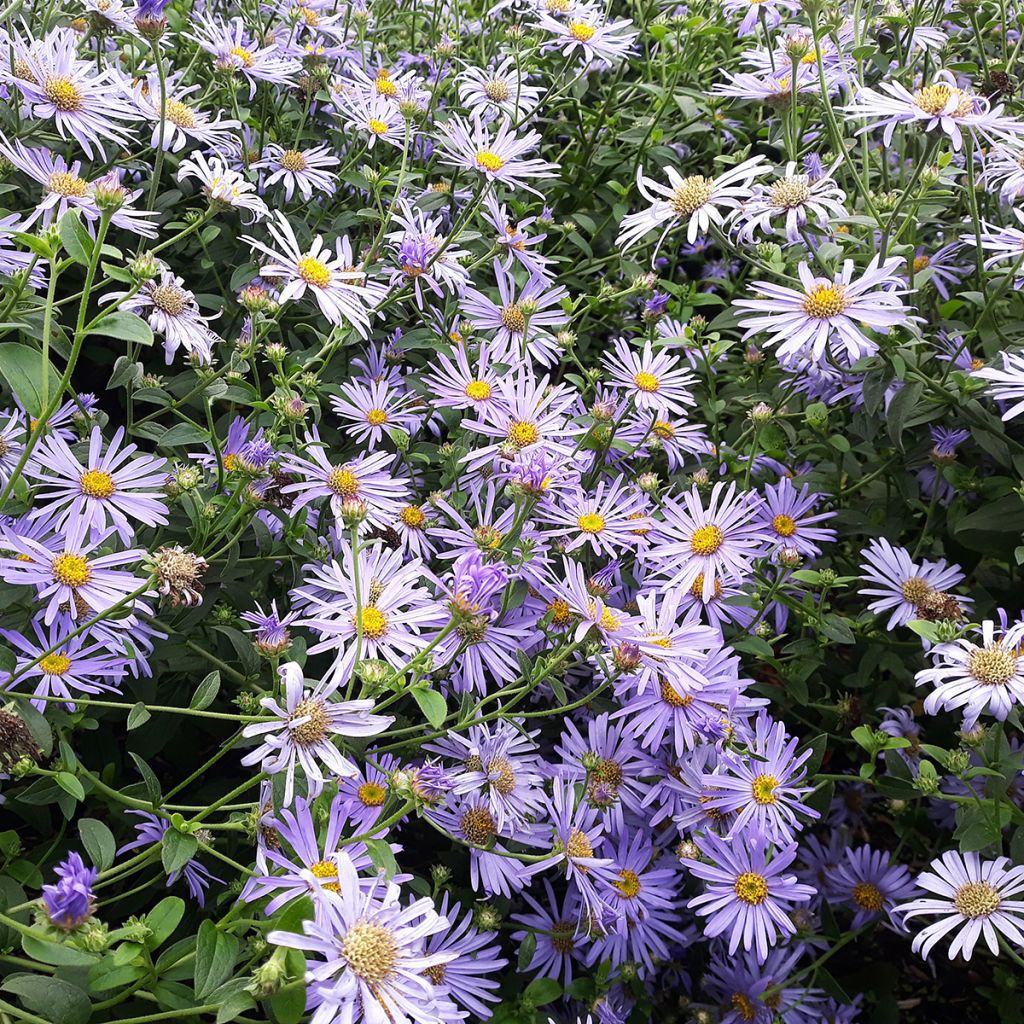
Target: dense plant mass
x,y
511,511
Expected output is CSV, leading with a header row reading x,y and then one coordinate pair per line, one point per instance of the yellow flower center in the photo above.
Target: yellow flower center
x,y
343,482
581,31
628,884
497,90
313,272
170,299
413,516
824,301
561,614
784,526
314,729
64,183
63,94
97,483
523,434
371,794
976,899
920,263
692,194
244,55
55,664
763,789
489,161
664,430
609,620
915,590
789,193
673,699
374,623
293,160
376,417
934,100
478,825
377,126
994,665
743,1006
868,896
178,113
71,570
751,888
326,869
697,590
646,381
590,522
578,844
478,390
706,540
502,775
371,951
513,319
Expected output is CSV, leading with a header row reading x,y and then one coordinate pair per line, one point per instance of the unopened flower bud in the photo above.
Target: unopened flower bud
x,y
353,512
789,557
762,413
144,267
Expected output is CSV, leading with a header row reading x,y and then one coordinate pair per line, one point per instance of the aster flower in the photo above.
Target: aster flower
x,y
556,927
151,831
375,117
747,896
70,575
789,515
423,256
586,30
973,898
236,52
793,199
698,201
300,735
941,104
111,487
775,88
87,104
768,12
762,787
371,409
909,589
499,90
304,172
462,384
499,155
827,314
64,188
512,237
269,629
1006,383
607,520
181,122
69,900
336,285
368,954
1004,168
869,881
977,674
652,380
717,542
222,185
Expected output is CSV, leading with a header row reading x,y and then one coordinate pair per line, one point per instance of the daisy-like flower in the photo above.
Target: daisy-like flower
x,y
362,796
607,520
755,12
941,104
789,515
973,898
181,122
653,380
775,88
423,255
588,31
910,590
302,171
747,895
869,881
699,202
171,310
827,314
300,735
336,285
717,542
222,185
499,155
1000,243
236,52
371,409
111,487
513,238
1004,168
68,576
369,959
1006,383
525,319
498,90
560,942
87,104
790,204
362,480
375,117
269,630
64,187
977,676
762,788
463,385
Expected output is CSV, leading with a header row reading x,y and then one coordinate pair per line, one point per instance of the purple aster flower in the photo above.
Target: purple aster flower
x,y
609,519
303,171
269,629
651,379
973,898
747,895
869,881
362,796
151,831
1006,383
68,901
300,735
372,411
789,515
556,928
236,51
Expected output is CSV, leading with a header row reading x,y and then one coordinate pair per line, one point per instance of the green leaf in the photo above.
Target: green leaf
x,y
163,919
22,368
139,715
432,705
216,952
541,991
836,628
900,410
289,1006
56,954
178,849
98,841
125,326
76,240
206,692
152,784
70,784
58,1001
382,856
183,433
527,948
